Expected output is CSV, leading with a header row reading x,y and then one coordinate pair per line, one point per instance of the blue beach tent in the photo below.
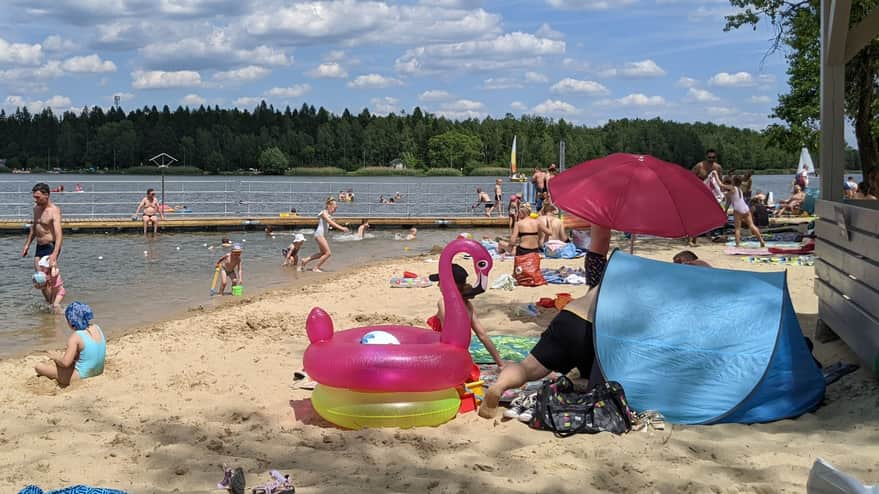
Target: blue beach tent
x,y
704,345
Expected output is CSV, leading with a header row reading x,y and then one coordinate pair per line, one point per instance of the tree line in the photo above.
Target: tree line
x,y
218,140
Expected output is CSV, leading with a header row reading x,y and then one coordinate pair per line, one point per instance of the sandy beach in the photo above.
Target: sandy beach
x,y
180,398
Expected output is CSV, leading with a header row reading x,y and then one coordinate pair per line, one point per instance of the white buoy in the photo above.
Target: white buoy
x,y
244,240
204,245
178,247
145,252
100,258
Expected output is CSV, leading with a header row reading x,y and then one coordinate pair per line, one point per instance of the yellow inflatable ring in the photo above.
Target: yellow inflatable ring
x,y
356,410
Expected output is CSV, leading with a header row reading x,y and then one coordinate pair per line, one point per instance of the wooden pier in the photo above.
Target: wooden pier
x,y
253,223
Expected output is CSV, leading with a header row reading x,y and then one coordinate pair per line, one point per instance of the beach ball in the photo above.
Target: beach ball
x,y
379,338
40,278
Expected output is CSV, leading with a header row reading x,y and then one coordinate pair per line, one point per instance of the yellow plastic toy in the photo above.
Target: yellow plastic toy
x,y
356,410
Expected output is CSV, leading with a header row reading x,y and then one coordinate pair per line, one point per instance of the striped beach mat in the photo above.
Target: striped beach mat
x,y
511,347
785,260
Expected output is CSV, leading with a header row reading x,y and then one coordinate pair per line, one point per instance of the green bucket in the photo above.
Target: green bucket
x,y
238,290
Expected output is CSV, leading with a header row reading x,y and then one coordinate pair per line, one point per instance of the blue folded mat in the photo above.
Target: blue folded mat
x,y
76,489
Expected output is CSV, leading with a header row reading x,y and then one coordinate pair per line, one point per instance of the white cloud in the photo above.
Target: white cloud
x,y
91,63
637,99
518,105
19,53
384,106
193,100
160,79
740,79
687,82
588,4
57,103
495,83
513,50
762,100
249,73
247,101
634,70
328,70
293,91
576,65
373,81
554,107
535,77
569,85
545,31
217,49
335,56
434,95
58,44
721,110
701,95
463,109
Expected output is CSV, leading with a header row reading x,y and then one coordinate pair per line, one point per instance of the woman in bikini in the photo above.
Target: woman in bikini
x,y
152,211
324,221
526,232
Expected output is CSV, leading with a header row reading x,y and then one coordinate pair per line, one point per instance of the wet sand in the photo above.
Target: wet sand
x,y
180,398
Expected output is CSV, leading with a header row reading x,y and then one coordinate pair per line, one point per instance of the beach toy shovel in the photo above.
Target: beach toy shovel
x,y
214,281
237,290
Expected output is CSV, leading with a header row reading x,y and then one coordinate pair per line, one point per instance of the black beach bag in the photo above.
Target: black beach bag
x,y
568,409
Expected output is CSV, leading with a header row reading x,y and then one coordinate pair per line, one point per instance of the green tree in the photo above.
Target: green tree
x,y
454,149
273,161
798,26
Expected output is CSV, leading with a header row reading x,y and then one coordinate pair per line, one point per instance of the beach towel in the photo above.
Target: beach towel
x,y
76,489
564,276
750,244
743,251
403,282
510,347
804,248
785,260
561,250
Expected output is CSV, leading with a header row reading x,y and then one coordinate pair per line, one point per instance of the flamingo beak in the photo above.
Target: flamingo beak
x,y
480,287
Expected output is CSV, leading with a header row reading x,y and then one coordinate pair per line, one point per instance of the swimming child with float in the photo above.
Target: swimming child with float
x,y
231,268
86,349
48,280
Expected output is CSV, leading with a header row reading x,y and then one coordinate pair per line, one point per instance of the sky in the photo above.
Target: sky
x,y
586,61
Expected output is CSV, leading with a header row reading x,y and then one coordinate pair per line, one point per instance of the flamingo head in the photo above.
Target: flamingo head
x,y
319,325
482,264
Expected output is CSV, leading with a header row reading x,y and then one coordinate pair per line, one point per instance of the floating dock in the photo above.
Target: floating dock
x,y
255,223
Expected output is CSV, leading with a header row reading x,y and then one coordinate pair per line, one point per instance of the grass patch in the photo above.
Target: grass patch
x,y
316,171
443,172
383,171
155,170
489,171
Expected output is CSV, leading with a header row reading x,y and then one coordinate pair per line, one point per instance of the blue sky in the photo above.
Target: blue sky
x,y
586,61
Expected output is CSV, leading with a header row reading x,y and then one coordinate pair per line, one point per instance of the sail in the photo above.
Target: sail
x,y
805,162
513,158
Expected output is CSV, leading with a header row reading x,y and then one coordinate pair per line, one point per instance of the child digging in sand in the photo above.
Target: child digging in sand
x,y
468,292
86,349
232,270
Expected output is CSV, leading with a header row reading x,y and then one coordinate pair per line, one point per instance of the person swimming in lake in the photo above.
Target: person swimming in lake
x,y
86,349
467,292
50,283
364,225
324,222
231,268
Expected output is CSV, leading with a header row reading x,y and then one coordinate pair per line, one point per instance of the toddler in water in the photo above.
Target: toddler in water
x,y
48,279
291,253
85,352
364,225
231,269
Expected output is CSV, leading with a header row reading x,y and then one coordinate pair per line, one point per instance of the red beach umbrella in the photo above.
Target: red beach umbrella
x,y
638,194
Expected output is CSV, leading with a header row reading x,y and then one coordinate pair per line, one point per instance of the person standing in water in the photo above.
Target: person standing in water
x,y
231,269
45,228
152,211
324,222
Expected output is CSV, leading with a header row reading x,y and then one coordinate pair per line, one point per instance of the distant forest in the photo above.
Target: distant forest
x,y
216,140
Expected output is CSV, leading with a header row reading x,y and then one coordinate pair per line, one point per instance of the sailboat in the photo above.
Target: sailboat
x,y
514,176
806,163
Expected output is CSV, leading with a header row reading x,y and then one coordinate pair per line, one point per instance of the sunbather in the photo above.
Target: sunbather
x,y
792,204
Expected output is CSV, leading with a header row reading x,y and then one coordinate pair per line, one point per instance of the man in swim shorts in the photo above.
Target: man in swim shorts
x,y
567,343
45,227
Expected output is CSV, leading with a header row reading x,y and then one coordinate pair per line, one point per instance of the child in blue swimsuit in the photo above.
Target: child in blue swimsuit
x,y
86,349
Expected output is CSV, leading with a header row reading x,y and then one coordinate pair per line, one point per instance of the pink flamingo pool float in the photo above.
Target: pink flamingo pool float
x,y
425,360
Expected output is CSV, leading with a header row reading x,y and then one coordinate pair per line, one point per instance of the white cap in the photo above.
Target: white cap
x,y
298,238
44,262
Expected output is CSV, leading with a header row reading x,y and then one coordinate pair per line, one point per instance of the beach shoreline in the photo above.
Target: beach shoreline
x,y
183,396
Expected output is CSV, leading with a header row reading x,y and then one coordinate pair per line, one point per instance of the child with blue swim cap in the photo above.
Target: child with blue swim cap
x,y
86,349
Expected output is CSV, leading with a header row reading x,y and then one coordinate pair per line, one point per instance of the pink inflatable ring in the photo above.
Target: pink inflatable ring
x,y
423,361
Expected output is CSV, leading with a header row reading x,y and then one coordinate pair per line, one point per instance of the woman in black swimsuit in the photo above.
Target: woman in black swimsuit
x,y
527,232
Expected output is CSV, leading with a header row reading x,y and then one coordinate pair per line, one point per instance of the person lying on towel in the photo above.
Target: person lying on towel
x,y
566,343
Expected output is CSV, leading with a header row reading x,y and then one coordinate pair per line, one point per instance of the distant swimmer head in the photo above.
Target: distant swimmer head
x,y
226,242
236,248
79,315
40,279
